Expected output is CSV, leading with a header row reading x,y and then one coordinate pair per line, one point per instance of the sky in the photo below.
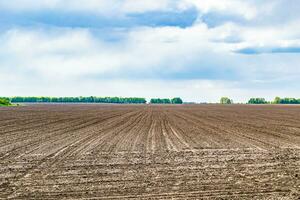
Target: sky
x,y
199,50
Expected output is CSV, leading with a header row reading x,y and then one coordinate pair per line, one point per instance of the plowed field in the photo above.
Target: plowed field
x,y
93,151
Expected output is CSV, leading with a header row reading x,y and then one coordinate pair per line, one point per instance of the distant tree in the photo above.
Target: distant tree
x,y
277,100
4,102
257,101
166,101
225,100
17,99
156,101
160,101
176,100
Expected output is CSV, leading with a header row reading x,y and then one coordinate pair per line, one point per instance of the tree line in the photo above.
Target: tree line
x,y
257,101
277,100
91,99
131,100
175,100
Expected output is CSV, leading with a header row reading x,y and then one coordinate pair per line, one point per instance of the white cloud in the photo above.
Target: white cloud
x,y
250,10
275,36
58,52
59,58
69,52
242,8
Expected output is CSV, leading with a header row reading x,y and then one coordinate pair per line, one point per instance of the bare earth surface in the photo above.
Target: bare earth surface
x,y
150,152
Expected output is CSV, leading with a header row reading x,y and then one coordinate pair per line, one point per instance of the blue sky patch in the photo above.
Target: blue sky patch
x,y
260,50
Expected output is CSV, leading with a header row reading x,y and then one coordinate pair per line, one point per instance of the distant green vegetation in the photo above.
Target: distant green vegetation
x,y
279,100
8,101
257,101
91,99
160,101
226,100
175,100
5,102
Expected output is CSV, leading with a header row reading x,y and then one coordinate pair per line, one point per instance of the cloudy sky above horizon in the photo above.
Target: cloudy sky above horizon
x,y
199,50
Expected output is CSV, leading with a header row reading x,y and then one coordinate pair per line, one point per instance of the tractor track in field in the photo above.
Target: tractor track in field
x,y
89,151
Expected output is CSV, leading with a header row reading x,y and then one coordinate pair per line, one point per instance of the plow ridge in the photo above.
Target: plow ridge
x,y
149,152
